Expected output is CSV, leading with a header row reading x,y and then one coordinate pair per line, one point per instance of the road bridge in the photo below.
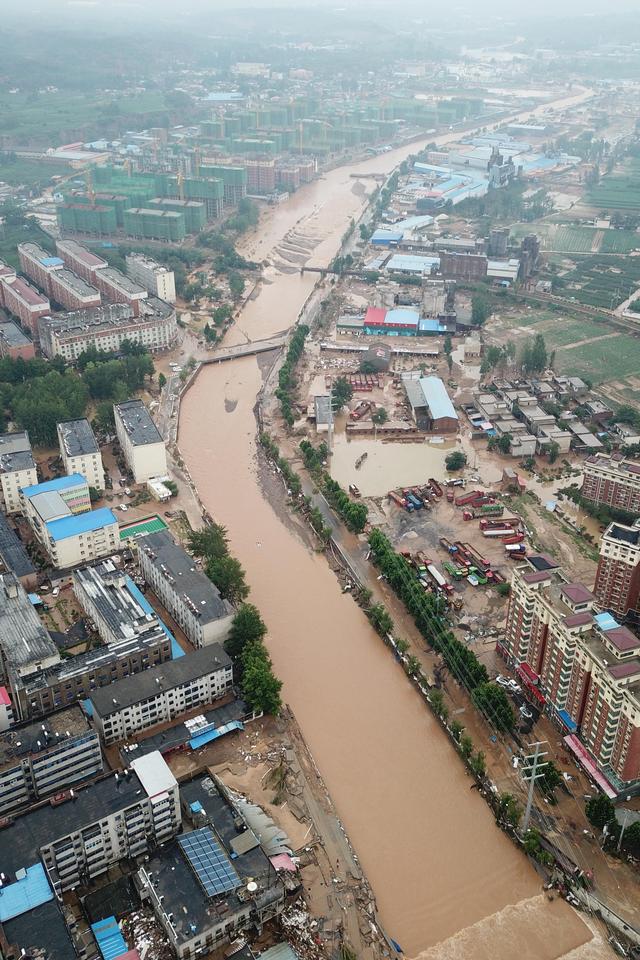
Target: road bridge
x,y
247,349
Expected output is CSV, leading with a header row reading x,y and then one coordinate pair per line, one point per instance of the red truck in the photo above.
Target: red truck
x,y
488,523
470,497
477,558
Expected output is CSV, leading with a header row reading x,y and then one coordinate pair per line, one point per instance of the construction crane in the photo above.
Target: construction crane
x,y
88,180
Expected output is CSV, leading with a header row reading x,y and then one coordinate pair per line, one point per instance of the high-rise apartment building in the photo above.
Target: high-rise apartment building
x,y
612,481
617,586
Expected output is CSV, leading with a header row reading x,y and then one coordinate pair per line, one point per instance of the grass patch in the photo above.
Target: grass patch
x,y
32,173
620,241
603,360
617,191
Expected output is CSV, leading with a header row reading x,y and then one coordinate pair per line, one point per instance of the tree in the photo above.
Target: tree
x,y
494,703
104,419
504,589
550,779
503,443
509,809
209,542
466,745
342,393
260,687
162,381
236,285
534,355
247,627
380,619
380,416
480,309
456,460
448,350
600,810
477,764
456,730
554,450
229,577
631,839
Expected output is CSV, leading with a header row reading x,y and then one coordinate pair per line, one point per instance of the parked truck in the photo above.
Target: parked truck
x,y
470,497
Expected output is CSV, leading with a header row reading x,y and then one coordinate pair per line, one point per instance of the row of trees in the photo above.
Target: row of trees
x,y
245,644
313,515
355,514
286,375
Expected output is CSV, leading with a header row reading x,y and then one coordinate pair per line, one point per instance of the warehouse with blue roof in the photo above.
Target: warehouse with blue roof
x,y
431,405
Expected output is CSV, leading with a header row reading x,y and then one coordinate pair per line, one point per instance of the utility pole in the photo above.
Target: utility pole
x,y
624,827
532,773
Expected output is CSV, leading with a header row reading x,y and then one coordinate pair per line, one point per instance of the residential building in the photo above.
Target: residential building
x,y
115,287
140,441
80,834
201,907
7,717
582,667
617,586
612,481
107,327
38,759
161,693
17,468
13,556
82,261
72,292
431,405
261,176
24,302
14,343
158,280
80,452
38,265
190,597
109,596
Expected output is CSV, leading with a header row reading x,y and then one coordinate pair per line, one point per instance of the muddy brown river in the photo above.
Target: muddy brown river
x,y
448,884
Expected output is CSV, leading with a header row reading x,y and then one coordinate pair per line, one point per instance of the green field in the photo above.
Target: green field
x,y
563,331
573,239
602,361
602,281
620,241
617,191
567,238
18,171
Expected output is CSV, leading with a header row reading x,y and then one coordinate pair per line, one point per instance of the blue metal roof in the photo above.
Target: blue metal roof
x,y
199,741
606,622
28,891
568,722
386,236
51,262
66,527
430,324
109,938
438,400
176,649
403,315
58,483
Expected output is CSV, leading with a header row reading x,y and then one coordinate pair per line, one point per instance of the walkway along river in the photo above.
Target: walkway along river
x,y
443,874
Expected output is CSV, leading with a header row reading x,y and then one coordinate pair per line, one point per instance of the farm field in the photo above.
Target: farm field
x,y
611,359
602,281
31,173
620,241
567,238
617,191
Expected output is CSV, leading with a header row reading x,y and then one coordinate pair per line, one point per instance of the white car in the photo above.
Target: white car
x,y
514,687
525,712
503,681
123,507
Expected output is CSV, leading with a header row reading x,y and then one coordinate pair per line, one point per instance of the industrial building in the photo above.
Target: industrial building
x,y
17,468
149,223
158,280
89,828
80,452
116,288
14,343
109,596
191,598
23,301
218,880
39,759
61,518
107,327
140,441
431,405
617,586
84,262
581,667
13,556
399,322
161,693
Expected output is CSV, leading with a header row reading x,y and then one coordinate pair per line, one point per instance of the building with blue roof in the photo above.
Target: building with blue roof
x,y
431,405
386,238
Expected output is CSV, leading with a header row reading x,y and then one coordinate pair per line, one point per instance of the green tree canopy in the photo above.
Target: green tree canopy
x,y
247,627
260,687
455,460
600,810
229,577
342,393
494,703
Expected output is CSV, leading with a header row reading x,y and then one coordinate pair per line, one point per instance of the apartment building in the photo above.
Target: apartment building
x,y
38,265
23,301
72,292
79,835
261,176
14,557
617,586
80,452
82,261
158,280
115,287
109,596
612,481
17,468
191,598
14,343
107,327
582,666
140,440
162,693
39,759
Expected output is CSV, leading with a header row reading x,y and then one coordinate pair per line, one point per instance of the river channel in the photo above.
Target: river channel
x,y
447,882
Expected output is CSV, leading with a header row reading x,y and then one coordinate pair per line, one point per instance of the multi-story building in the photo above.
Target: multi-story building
x,y
14,343
612,481
190,597
38,759
61,518
158,280
17,468
7,717
162,693
109,596
617,586
582,666
107,327
72,292
39,265
80,834
115,287
261,176
140,440
84,262
14,557
24,302
80,452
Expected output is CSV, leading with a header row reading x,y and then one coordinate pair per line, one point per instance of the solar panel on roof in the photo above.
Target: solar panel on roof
x,y
209,862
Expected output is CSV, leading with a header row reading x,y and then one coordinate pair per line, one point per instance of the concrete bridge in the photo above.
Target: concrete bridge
x,y
247,349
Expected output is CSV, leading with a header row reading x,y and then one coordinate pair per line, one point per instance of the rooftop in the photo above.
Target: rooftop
x,y
432,393
80,523
77,438
23,638
41,932
88,257
55,485
141,686
28,294
122,282
181,571
34,738
38,253
173,737
629,535
109,316
13,335
15,452
76,284
137,422
107,590
577,593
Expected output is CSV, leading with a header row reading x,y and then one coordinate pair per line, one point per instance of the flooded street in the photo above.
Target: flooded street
x,y
443,874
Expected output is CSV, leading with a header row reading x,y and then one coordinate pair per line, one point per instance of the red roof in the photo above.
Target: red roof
x,y
5,699
578,619
527,672
375,316
622,639
577,593
622,670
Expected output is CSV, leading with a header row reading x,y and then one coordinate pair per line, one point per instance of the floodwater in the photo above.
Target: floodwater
x,y
441,871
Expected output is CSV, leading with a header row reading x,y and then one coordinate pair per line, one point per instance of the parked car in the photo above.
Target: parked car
x,y
525,712
503,681
123,507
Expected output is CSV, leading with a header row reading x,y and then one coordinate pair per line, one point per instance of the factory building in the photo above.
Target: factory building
x,y
17,468
82,261
71,292
14,343
24,302
87,829
116,288
155,278
431,405
80,452
190,597
39,759
617,586
107,327
463,266
140,441
161,694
